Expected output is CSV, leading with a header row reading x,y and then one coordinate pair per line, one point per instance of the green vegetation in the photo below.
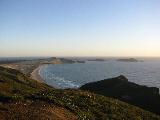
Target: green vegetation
x,y
24,98
120,88
14,82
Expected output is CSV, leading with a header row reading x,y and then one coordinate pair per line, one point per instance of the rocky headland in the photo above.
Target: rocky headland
x,y
120,88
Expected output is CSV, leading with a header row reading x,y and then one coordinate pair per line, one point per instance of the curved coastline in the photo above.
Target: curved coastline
x,y
36,74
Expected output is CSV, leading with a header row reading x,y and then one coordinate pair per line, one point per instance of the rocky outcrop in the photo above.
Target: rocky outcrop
x,y
145,97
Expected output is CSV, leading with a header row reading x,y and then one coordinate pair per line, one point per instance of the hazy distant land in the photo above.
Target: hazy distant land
x,y
31,67
128,60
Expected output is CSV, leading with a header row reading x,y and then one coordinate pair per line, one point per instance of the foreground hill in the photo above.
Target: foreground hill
x,y
24,98
120,88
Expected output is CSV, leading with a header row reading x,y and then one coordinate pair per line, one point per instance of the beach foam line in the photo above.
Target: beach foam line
x,y
58,82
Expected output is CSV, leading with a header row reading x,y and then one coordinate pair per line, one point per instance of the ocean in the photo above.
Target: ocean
x,y
77,74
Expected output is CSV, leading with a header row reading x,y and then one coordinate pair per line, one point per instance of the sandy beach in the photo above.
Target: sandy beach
x,y
35,74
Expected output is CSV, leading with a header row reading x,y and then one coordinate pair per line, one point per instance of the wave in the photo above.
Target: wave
x,y
57,81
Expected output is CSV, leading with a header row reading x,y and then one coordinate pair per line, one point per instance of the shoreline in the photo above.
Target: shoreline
x,y
36,74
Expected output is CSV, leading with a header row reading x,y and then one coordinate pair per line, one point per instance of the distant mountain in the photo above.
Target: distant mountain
x,y
26,99
101,60
128,60
120,88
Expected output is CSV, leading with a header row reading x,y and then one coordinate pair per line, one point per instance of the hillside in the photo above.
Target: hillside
x,y
27,66
120,88
27,99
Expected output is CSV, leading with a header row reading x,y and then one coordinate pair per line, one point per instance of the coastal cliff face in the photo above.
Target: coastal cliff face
x,y
24,98
120,88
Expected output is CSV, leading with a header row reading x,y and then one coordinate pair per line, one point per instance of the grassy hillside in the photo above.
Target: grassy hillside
x,y
24,98
120,88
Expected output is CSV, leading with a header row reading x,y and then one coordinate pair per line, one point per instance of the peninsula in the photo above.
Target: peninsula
x,y
120,88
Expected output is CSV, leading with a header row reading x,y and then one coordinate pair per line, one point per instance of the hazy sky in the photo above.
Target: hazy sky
x,y
79,27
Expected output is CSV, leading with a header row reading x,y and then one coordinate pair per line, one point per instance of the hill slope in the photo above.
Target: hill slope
x,y
24,98
120,88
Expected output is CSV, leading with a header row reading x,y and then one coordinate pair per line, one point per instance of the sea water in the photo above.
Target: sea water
x,y
77,74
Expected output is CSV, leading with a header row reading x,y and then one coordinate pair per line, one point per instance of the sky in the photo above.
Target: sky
x,y
79,28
